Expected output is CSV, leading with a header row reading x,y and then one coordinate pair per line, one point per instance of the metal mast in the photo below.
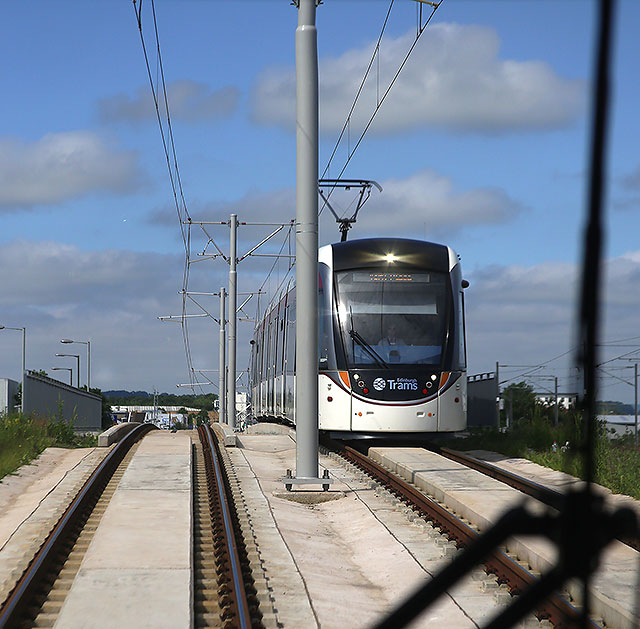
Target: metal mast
x,y
222,418
233,298
306,400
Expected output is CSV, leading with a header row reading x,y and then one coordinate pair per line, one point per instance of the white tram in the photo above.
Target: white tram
x,y
391,329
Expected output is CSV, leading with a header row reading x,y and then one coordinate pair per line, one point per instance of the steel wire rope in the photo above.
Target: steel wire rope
x,y
173,178
355,100
569,351
380,101
174,171
275,262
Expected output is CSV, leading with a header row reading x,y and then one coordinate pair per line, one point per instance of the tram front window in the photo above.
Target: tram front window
x,y
392,318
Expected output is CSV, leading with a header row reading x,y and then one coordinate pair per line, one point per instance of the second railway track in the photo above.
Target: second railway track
x,y
508,570
224,590
40,593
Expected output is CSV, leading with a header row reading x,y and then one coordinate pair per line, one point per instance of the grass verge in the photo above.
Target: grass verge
x,y
22,439
617,461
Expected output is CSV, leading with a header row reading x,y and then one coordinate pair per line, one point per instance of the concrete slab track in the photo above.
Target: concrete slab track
x,y
482,500
335,559
137,570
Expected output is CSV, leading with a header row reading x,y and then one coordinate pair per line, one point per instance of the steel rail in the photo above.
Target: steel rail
x,y
546,495
237,598
557,610
17,602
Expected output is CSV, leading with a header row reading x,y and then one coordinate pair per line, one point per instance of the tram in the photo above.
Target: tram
x,y
391,339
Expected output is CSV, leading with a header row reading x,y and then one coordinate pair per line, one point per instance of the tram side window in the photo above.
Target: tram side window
x,y
326,350
278,345
282,340
270,356
462,334
265,350
291,343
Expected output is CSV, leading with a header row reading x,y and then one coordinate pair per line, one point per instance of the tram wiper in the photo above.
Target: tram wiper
x,y
367,348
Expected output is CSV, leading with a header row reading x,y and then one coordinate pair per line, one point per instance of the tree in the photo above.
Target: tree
x,y
107,419
519,402
202,418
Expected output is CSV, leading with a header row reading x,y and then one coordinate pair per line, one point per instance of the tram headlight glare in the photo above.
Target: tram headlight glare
x,y
390,258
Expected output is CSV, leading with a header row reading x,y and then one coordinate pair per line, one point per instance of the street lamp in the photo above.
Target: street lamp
x,y
24,347
69,369
77,357
88,344
635,383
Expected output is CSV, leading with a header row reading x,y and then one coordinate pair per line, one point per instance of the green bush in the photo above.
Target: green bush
x,y
617,461
23,438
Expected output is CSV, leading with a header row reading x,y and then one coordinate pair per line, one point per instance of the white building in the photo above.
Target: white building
x,y
8,391
565,400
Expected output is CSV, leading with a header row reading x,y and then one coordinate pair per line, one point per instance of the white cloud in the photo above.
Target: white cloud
x,y
526,315
632,180
515,314
63,166
112,298
271,206
55,275
189,101
453,80
425,202
428,201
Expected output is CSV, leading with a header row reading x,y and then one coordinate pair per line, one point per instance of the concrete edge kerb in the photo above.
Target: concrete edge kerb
x,y
225,433
115,434
610,611
192,586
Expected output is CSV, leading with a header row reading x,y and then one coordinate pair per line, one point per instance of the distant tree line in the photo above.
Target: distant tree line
x,y
521,404
142,398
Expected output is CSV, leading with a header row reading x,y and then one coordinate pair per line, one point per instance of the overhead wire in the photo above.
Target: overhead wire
x,y
169,147
379,101
286,240
355,100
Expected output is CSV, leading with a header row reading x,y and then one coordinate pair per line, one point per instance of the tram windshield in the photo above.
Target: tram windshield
x,y
392,318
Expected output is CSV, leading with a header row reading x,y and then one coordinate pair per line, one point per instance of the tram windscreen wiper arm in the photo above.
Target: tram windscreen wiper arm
x,y
367,348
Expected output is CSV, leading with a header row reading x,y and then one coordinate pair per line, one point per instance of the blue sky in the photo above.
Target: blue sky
x,y
482,145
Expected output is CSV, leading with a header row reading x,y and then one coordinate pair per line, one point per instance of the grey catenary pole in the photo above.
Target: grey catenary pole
x,y
221,356
306,400
233,298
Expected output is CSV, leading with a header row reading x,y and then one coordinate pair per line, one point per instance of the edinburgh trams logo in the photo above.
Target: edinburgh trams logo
x,y
398,384
379,384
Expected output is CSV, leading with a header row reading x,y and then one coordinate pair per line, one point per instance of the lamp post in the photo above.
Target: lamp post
x,y
88,344
77,357
635,404
69,369
24,347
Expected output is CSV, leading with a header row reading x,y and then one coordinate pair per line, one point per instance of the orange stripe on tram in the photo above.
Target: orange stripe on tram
x,y
344,376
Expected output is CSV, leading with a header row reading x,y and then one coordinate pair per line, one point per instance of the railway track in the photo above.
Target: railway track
x,y
224,592
541,493
40,593
507,569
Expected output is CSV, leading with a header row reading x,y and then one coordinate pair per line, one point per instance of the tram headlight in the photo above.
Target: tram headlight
x,y
390,258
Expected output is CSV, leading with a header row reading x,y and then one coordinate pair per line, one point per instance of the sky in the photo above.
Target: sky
x,y
481,144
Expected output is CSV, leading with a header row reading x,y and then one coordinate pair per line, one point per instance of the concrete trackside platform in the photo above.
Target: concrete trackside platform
x,y
482,500
138,568
31,502
348,556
